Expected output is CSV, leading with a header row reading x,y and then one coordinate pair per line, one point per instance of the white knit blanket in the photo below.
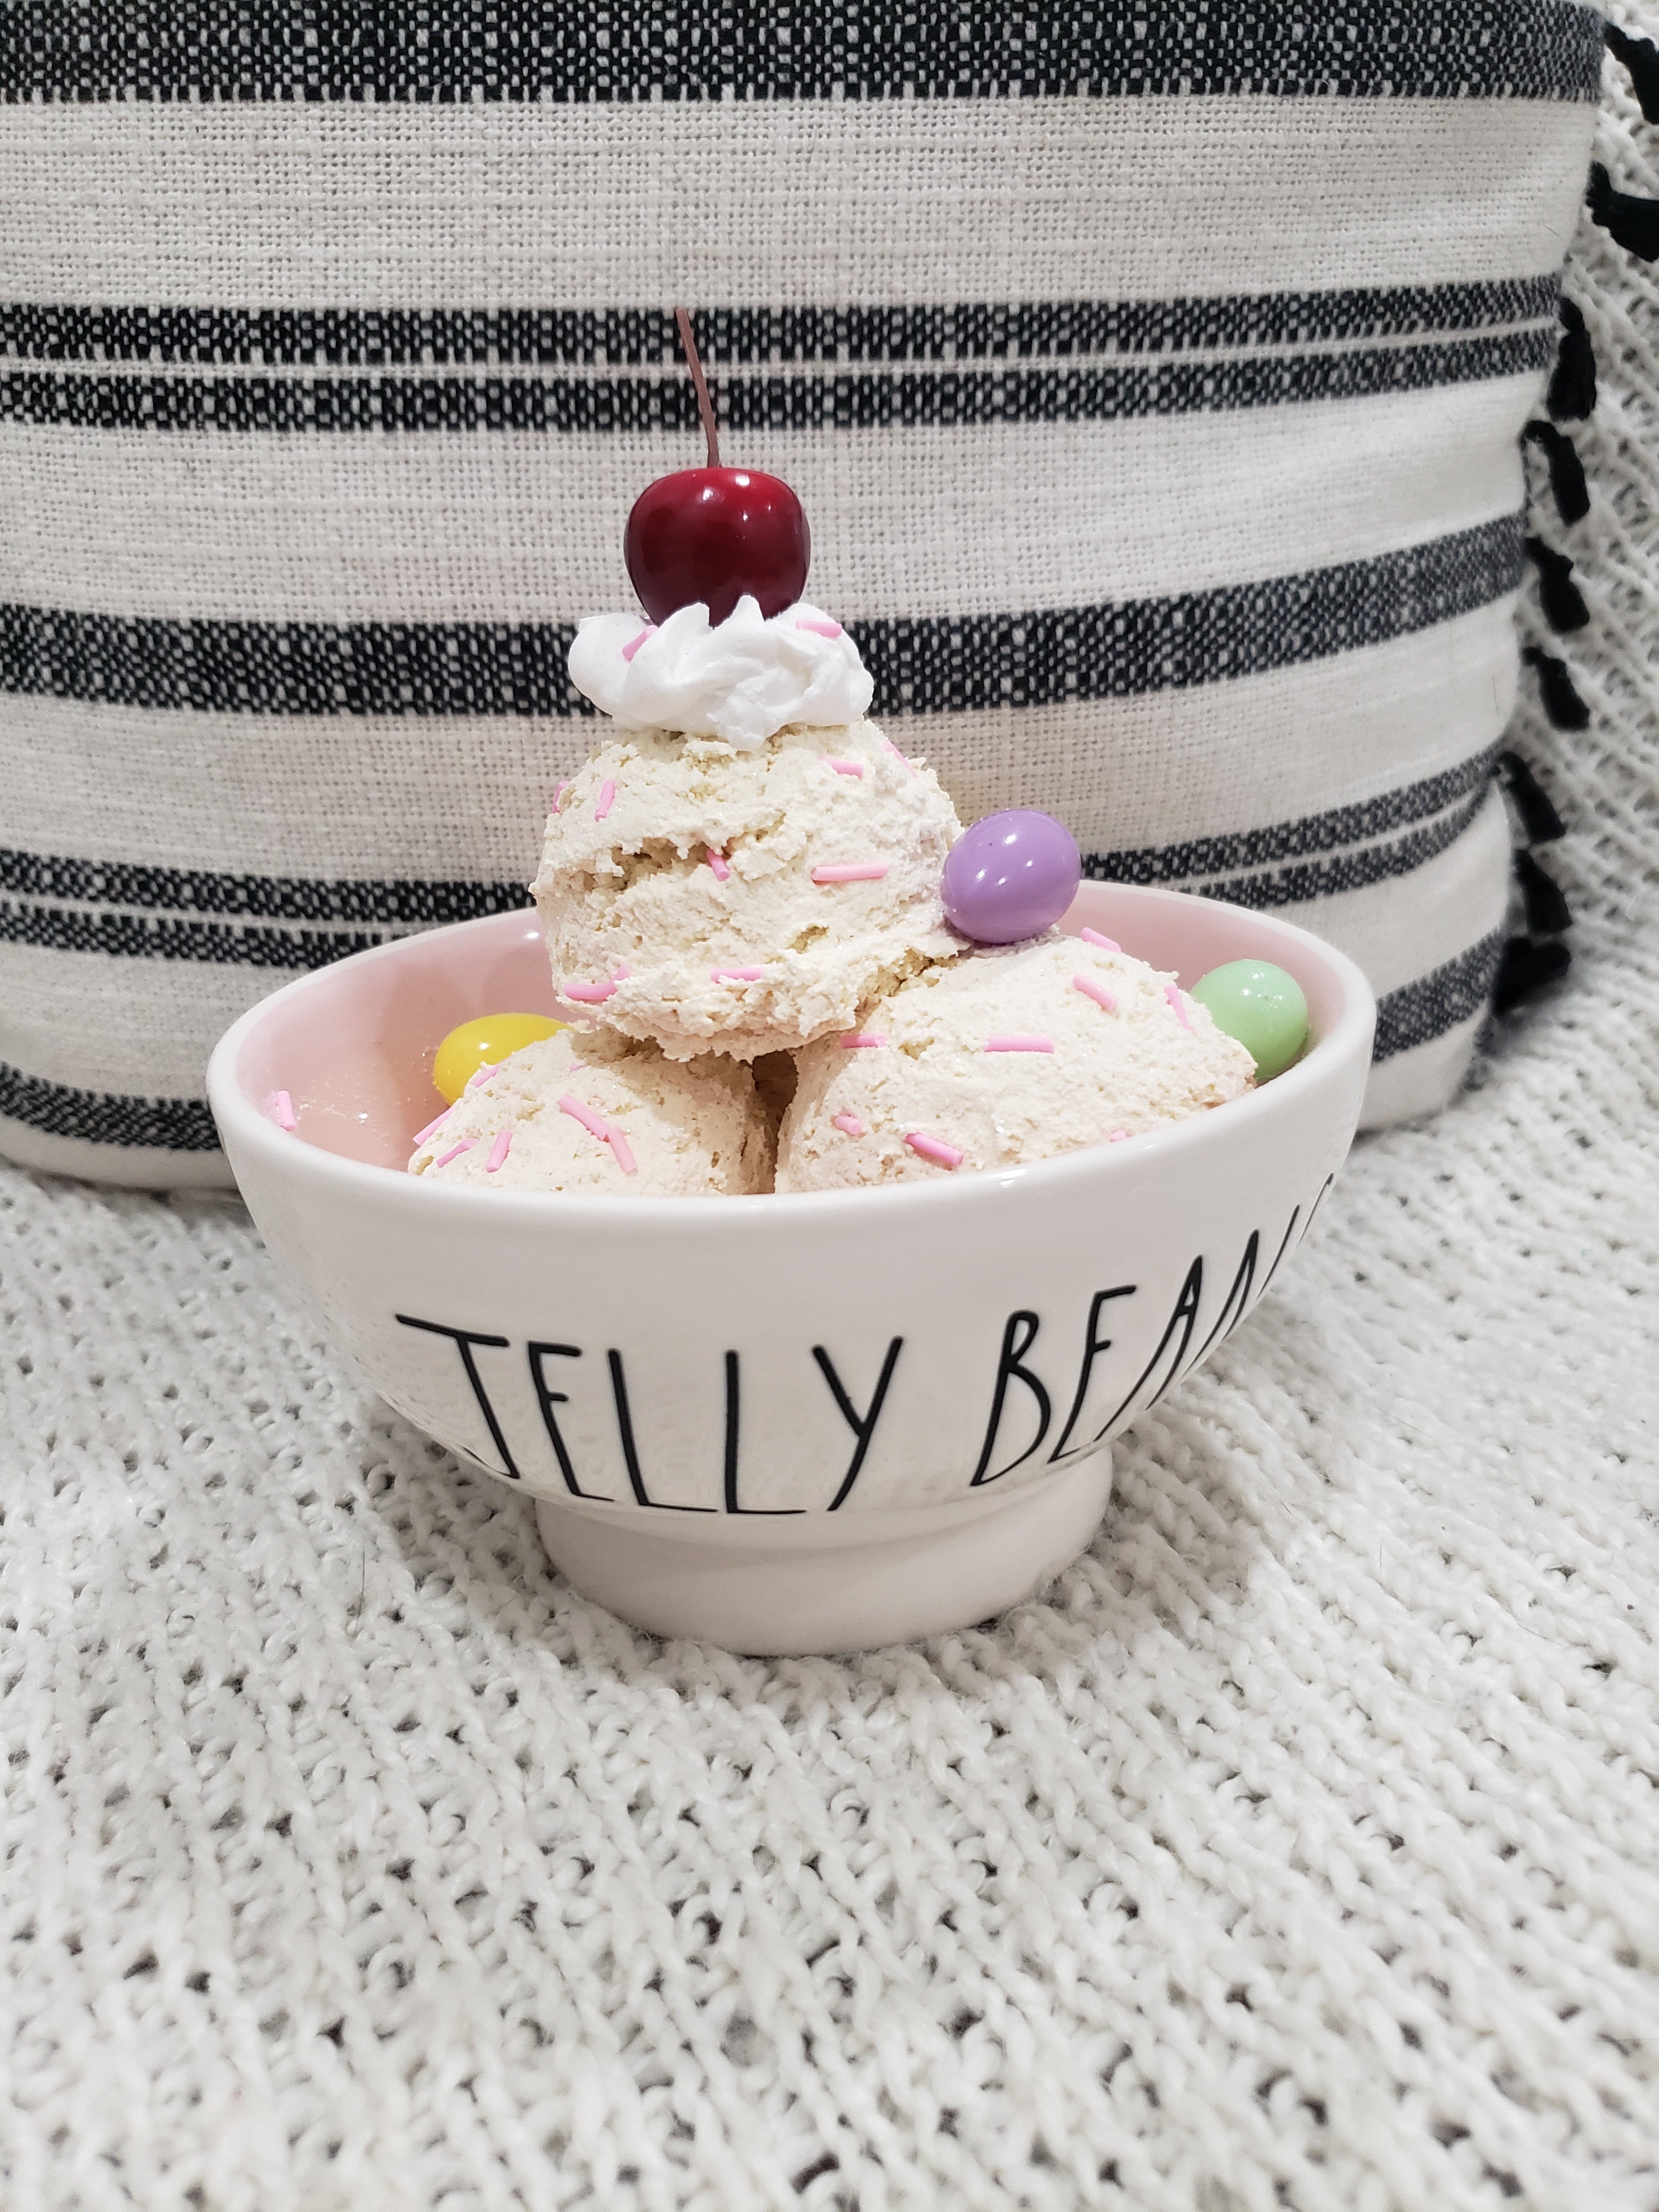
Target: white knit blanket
x,y
1300,1849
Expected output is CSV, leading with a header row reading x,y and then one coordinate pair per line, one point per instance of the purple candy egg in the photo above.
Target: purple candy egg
x,y
1011,876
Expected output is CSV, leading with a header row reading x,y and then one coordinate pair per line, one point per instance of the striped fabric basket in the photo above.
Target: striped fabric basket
x,y
1153,378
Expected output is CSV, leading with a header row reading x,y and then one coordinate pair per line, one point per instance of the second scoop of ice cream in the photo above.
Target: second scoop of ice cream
x,y
603,1118
743,902
1006,1056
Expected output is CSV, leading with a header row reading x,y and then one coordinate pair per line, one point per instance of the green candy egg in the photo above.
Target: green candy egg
x,y
1262,1006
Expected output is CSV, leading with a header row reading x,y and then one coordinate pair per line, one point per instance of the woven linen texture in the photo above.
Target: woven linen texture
x,y
1297,1850
1153,379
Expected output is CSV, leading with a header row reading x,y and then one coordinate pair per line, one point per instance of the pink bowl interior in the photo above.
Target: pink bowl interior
x,y
353,1045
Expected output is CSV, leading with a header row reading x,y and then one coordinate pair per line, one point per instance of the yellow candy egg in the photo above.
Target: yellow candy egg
x,y
481,1043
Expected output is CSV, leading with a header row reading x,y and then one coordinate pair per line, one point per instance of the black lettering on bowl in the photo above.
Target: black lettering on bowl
x,y
1010,1369
1173,1358
547,1399
1093,1346
862,1425
465,1340
760,1512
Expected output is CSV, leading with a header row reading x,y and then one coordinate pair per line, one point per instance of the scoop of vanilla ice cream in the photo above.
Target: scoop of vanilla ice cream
x,y
1011,1055
742,902
605,1118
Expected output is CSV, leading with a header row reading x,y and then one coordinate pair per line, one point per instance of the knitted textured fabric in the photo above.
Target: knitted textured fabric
x,y
1296,1850
1153,380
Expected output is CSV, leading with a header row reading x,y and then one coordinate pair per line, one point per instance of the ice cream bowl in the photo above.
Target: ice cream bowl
x,y
797,1423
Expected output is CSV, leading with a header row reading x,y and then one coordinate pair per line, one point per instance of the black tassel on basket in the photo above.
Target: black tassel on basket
x,y
1539,818
1630,222
1641,58
1573,381
1558,595
1539,958
1547,911
1530,964
1566,470
1562,703
1526,969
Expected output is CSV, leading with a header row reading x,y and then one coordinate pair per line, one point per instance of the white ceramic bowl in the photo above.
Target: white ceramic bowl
x,y
786,1424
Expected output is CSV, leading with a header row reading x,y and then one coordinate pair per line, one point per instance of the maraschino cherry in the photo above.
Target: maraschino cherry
x,y
714,534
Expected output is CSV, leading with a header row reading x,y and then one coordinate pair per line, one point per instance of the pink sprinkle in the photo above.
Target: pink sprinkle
x,y
845,767
1097,992
851,1123
630,650
947,1156
1118,1136
850,871
717,862
1180,1011
432,1127
607,799
861,1040
624,1158
587,994
589,1119
282,1107
1019,1044
455,1152
483,1075
898,755
621,972
499,1151
822,628
735,975
595,1128
1094,936
559,791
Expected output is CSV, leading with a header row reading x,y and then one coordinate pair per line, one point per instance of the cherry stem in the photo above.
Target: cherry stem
x,y
705,405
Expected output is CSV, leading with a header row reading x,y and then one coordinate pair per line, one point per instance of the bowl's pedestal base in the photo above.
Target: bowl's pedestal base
x,y
823,1583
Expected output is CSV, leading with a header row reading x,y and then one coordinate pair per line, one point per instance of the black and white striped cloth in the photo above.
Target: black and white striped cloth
x,y
1153,379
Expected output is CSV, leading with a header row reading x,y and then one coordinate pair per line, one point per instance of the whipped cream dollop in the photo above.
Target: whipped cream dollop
x,y
743,679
